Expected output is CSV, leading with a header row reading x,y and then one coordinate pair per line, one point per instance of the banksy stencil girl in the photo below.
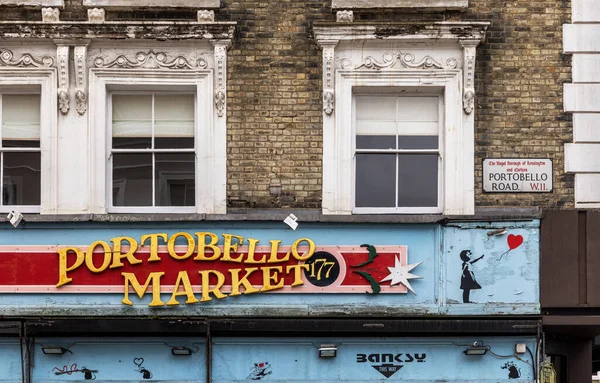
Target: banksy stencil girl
x,y
467,279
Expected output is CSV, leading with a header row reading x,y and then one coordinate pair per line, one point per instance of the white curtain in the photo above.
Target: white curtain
x,y
21,117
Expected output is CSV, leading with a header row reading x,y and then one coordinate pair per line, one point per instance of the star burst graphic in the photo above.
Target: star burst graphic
x,y
401,274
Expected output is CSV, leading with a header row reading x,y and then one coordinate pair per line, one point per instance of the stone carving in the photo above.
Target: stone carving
x,y
328,101
62,53
80,73
328,92
81,100
220,101
469,75
407,60
63,102
26,60
50,15
206,16
344,16
344,62
150,60
220,95
96,15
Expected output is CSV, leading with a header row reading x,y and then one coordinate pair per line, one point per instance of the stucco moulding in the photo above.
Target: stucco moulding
x,y
34,3
370,4
443,30
121,30
152,3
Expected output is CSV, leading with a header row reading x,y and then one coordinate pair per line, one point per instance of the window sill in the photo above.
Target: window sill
x,y
306,215
371,4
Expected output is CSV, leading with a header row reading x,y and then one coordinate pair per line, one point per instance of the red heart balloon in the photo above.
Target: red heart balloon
x,y
514,241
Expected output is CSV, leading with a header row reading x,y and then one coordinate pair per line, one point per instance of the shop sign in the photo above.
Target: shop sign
x,y
514,175
388,364
195,267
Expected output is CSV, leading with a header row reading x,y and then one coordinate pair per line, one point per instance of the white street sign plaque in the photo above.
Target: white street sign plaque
x,y
517,175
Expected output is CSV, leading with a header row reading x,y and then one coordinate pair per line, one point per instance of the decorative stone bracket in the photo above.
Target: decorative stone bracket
x,y
469,47
328,76
79,55
221,75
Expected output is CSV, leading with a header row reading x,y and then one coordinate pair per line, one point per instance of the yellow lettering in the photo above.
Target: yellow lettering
x,y
206,290
154,244
268,277
182,278
274,249
228,246
202,245
89,257
62,264
191,245
130,279
297,273
251,249
236,282
308,254
118,255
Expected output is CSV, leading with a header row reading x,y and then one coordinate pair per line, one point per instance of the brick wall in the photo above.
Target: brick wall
x,y
274,93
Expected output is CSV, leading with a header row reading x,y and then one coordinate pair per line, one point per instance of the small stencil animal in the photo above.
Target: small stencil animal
x,y
260,370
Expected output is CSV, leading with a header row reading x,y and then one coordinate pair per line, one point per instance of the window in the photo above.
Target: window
x,y
20,154
157,142
397,157
152,155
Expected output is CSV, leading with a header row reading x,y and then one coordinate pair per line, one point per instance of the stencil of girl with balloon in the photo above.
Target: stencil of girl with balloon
x,y
468,281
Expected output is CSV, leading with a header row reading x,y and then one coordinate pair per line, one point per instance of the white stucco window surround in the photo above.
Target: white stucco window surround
x,y
431,4
431,62
152,3
209,130
29,85
34,3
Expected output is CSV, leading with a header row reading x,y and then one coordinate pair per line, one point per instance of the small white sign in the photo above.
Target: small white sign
x,y
510,175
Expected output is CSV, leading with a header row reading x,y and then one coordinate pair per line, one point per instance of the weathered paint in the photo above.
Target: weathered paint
x,y
10,360
510,283
120,359
296,360
281,359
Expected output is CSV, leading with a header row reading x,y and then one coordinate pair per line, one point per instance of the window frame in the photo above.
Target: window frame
x,y
374,4
109,174
457,173
397,93
42,81
210,174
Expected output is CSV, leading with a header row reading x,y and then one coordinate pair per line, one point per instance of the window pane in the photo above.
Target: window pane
x,y
132,179
21,181
174,121
175,179
418,142
375,180
132,121
21,120
376,108
417,180
375,142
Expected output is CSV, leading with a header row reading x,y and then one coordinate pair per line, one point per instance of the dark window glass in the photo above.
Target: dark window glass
x,y
174,142
21,183
375,180
417,180
132,142
418,142
132,179
175,185
375,142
